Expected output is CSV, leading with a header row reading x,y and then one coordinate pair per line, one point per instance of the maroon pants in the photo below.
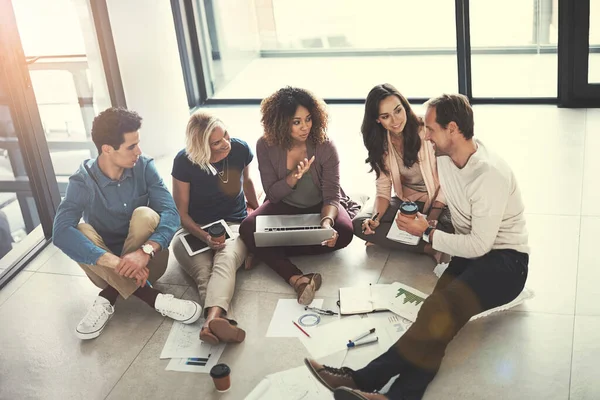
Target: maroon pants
x,y
277,257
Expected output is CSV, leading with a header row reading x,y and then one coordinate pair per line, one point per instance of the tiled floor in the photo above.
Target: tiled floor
x,y
544,349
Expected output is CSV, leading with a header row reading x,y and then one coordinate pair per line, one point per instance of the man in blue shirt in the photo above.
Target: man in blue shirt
x,y
129,220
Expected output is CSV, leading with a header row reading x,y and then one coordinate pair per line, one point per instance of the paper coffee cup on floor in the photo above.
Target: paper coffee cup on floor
x,y
220,374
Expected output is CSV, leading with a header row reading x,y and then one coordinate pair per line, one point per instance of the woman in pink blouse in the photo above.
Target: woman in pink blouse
x,y
403,161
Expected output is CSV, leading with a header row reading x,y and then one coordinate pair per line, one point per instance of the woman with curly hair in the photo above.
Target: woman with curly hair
x,y
299,169
403,160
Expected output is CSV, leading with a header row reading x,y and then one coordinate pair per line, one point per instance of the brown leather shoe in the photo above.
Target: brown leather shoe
x,y
306,290
207,336
226,330
344,393
331,378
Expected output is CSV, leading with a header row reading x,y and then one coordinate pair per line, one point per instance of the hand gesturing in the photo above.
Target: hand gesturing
x,y
303,166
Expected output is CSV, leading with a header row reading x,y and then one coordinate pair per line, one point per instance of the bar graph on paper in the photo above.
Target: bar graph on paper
x,y
407,301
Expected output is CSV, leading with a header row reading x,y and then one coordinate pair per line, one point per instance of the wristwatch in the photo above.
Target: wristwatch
x,y
148,249
426,234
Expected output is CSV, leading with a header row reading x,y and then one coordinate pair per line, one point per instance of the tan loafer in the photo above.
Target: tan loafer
x,y
226,330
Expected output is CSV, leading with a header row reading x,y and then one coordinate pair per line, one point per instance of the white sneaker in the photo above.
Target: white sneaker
x,y
184,311
95,320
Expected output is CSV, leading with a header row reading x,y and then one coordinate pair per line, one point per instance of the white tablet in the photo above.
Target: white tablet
x,y
195,245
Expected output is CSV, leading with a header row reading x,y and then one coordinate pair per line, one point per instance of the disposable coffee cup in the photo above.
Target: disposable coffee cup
x,y
217,233
409,209
220,374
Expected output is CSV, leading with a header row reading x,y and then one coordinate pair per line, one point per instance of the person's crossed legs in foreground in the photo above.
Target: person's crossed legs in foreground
x,y
467,288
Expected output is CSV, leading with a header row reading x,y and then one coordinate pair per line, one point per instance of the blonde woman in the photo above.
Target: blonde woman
x,y
211,181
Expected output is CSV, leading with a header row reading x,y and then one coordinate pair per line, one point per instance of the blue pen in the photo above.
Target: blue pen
x,y
365,341
362,335
148,283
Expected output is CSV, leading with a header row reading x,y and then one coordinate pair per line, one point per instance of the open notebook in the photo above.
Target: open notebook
x,y
401,299
364,299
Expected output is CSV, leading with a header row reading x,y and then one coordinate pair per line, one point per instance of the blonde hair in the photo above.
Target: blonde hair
x,y
197,139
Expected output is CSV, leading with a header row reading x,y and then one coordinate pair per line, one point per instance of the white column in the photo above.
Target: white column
x,y
146,46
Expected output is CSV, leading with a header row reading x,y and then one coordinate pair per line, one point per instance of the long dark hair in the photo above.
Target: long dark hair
x,y
375,135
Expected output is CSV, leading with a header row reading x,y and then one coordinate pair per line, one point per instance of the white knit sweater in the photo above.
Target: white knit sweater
x,y
486,206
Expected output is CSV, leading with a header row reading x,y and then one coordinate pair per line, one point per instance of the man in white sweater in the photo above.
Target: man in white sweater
x,y
489,267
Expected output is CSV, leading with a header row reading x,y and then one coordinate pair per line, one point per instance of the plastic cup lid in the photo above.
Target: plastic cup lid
x,y
216,230
409,208
220,371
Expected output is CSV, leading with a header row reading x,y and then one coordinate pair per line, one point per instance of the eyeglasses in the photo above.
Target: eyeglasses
x,y
320,310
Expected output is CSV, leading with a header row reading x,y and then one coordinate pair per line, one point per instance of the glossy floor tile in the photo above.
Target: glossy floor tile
x,y
588,273
42,358
591,188
508,356
584,372
554,242
543,349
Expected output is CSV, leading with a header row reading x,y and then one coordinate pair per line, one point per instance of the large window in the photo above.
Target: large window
x,y
341,48
57,37
46,112
594,43
338,48
514,48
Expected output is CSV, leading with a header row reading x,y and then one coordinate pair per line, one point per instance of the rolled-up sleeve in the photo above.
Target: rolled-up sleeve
x,y
275,189
65,234
161,201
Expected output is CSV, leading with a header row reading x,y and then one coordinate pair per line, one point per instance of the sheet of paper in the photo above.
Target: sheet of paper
x,y
333,337
389,327
401,236
184,341
288,310
197,364
293,384
407,301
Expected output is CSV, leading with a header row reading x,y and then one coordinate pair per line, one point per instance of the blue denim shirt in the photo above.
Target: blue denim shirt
x,y
107,205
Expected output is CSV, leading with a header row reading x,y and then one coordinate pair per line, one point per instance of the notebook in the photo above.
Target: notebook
x,y
363,299
400,236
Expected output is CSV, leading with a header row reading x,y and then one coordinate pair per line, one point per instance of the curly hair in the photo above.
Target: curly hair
x,y
111,124
278,111
375,135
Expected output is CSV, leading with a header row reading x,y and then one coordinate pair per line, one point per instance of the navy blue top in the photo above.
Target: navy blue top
x,y
210,198
107,205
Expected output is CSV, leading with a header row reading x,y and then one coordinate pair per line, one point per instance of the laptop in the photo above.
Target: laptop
x,y
290,230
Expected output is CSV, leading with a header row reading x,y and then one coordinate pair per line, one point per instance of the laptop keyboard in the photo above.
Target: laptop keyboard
x,y
293,228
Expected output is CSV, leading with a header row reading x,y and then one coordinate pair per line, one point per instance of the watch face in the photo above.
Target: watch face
x,y
147,248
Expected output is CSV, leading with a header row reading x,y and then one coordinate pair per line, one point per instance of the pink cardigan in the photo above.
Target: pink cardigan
x,y
428,166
